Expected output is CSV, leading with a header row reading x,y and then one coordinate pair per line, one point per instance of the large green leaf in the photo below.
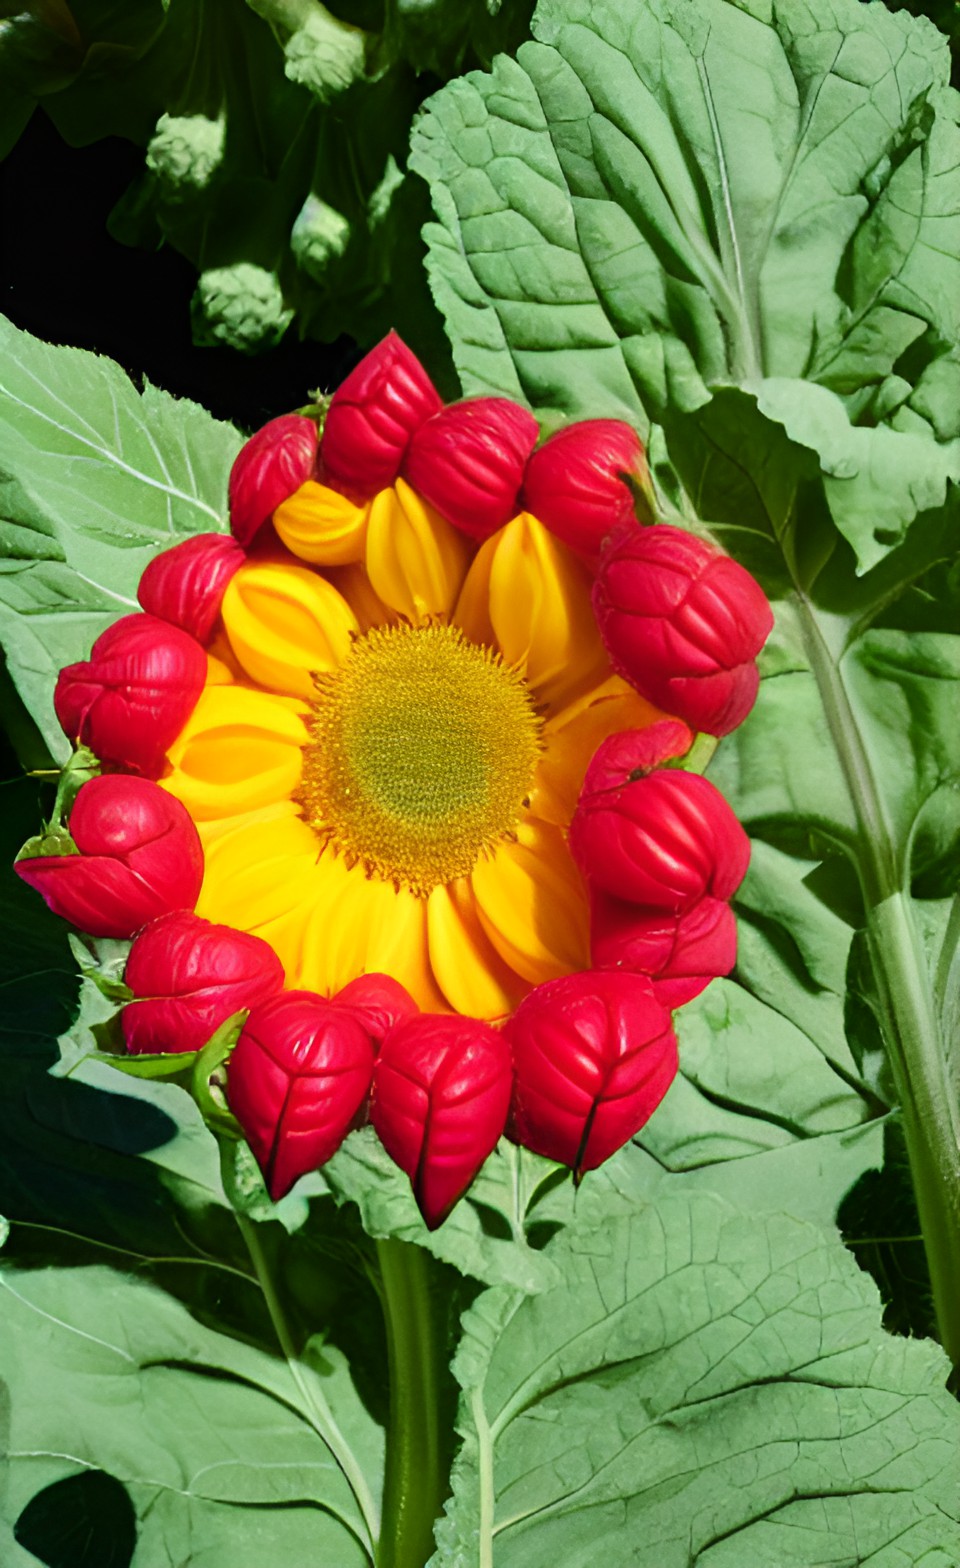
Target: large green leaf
x,y
220,1444
95,478
704,1385
652,201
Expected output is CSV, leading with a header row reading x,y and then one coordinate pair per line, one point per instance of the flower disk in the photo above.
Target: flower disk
x,y
423,752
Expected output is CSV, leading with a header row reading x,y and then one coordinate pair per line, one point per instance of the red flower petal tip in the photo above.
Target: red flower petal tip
x,y
593,1056
297,1077
188,976
680,953
377,1002
129,701
441,1090
185,585
468,461
268,469
683,623
574,482
666,839
139,858
372,417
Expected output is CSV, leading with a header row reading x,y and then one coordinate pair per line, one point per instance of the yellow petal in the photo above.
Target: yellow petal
x,y
538,608
239,750
353,583
258,872
416,560
472,975
532,904
571,737
322,526
222,667
284,622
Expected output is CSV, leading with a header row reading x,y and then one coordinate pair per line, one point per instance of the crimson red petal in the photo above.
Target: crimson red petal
x,y
680,953
372,416
468,461
186,585
268,469
574,485
377,1002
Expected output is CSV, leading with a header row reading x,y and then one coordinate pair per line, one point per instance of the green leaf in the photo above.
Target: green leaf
x,y
654,202
95,479
206,1433
711,1382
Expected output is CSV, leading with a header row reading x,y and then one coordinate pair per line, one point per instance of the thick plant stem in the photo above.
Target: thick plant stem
x,y
415,1484
910,1016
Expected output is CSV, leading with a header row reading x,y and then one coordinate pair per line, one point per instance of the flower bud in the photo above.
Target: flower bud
x,y
129,701
191,976
665,839
268,468
574,482
185,585
371,418
593,1056
378,1002
683,623
441,1090
680,953
468,462
297,1077
139,857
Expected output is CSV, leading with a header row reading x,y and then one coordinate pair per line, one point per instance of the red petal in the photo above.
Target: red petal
x,y
680,953
468,462
372,416
377,1002
573,481
268,469
185,585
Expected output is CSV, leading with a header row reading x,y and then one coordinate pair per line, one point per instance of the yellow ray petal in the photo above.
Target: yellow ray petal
x,y
472,975
239,750
571,737
262,870
416,560
222,666
532,904
321,525
285,622
353,583
538,608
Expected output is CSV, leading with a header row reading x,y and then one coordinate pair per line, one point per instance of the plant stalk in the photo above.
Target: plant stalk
x,y
415,1483
910,1017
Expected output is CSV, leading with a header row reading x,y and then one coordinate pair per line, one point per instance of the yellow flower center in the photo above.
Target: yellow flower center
x,y
423,751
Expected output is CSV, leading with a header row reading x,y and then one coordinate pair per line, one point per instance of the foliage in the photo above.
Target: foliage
x,y
276,137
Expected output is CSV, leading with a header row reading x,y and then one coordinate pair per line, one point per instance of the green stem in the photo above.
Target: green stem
x,y
415,1485
911,1020
316,1412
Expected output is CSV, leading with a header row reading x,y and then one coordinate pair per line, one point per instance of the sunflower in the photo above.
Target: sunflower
x,y
389,746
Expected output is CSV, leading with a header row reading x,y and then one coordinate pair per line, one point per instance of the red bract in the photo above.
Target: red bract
x,y
377,1002
185,585
441,1089
140,857
129,701
593,1056
683,623
468,462
371,418
574,482
192,976
298,1075
680,953
269,468
666,839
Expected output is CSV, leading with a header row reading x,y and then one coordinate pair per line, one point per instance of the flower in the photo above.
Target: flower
x,y
298,1075
683,623
268,468
441,1090
188,977
574,482
133,854
129,700
430,806
593,1056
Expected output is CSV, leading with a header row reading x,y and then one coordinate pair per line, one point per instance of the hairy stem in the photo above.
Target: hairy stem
x,y
415,1484
314,1407
910,1016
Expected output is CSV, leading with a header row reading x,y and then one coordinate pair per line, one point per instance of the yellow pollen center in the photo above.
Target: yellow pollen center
x,y
422,753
